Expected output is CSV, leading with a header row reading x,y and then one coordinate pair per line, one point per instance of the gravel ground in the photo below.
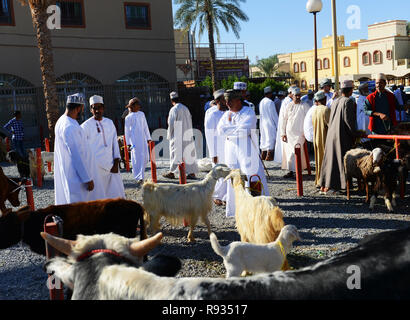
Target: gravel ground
x,y
328,225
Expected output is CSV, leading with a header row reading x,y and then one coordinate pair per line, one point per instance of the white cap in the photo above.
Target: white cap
x,y
381,76
219,93
96,99
240,86
267,90
173,95
295,90
76,98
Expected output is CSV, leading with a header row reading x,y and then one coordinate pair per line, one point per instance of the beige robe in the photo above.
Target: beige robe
x,y
320,120
293,120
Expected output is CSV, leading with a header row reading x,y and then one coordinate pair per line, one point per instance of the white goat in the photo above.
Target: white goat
x,y
256,258
177,202
258,219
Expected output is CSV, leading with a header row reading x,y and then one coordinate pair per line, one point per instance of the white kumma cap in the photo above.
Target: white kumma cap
x,y
96,99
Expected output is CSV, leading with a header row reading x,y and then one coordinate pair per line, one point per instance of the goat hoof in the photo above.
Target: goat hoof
x,y
191,240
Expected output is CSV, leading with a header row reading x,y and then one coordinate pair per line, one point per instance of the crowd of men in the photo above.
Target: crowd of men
x,y
87,156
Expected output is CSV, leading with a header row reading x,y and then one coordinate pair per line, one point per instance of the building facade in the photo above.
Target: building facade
x,y
115,48
387,50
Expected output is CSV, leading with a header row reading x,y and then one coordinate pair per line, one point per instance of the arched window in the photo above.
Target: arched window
x,y
303,66
346,62
77,82
303,84
377,57
296,67
319,64
389,55
326,63
366,58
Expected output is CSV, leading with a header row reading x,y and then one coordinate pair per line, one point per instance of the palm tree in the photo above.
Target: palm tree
x,y
269,65
39,16
207,14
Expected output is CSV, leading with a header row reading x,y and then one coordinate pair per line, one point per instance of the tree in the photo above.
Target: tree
x,y
208,14
408,28
38,9
269,65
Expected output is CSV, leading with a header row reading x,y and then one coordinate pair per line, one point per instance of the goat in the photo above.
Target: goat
x,y
258,219
9,190
95,256
101,216
378,268
177,202
363,165
22,163
256,258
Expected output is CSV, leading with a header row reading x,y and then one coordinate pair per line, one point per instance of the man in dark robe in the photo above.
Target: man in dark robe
x,y
340,139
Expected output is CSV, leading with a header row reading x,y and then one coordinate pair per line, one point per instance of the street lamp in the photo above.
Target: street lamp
x,y
335,45
315,6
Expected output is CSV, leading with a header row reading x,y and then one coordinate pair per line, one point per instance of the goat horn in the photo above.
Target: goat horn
x,y
60,244
141,248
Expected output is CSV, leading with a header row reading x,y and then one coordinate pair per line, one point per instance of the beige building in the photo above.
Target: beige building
x,y
115,48
387,50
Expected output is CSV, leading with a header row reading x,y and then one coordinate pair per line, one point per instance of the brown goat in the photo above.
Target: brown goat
x,y
95,217
9,190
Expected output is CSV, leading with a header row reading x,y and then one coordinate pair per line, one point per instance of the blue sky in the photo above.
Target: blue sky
x,y
281,26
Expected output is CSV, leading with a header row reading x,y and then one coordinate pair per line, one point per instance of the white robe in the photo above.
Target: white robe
x,y
362,118
278,143
268,124
216,147
74,164
306,100
293,119
241,150
181,141
137,135
102,138
329,99
308,124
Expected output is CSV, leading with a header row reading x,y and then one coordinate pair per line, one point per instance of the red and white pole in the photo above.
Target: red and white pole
x,y
39,165
153,165
298,164
126,155
55,288
47,146
29,194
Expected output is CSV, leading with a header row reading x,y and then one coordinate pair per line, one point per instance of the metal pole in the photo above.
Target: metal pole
x,y
315,62
335,43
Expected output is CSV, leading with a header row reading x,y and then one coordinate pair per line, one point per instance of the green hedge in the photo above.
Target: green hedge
x,y
256,89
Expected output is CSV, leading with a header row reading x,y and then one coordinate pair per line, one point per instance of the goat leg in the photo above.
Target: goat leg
x,y
348,189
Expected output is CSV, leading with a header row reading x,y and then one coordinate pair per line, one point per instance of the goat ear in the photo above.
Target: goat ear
x,y
141,248
62,245
23,214
244,177
229,176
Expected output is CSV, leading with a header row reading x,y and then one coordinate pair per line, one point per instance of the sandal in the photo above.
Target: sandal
x,y
218,202
169,175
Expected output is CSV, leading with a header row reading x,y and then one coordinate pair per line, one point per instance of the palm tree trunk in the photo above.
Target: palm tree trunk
x,y
39,16
212,49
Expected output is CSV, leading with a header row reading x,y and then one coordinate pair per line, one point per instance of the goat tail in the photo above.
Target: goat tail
x,y
220,251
